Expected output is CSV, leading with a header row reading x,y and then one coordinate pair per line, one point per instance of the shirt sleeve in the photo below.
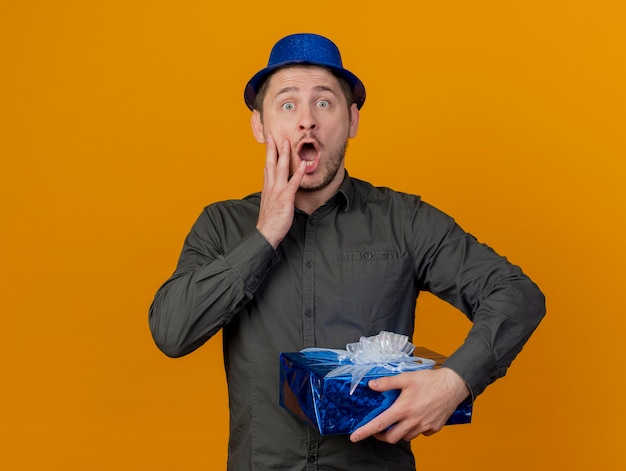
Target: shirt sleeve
x,y
209,286
504,305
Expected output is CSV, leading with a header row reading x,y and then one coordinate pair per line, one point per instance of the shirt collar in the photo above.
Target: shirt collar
x,y
343,197
345,194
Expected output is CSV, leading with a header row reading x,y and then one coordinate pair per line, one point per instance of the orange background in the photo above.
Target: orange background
x,y
120,120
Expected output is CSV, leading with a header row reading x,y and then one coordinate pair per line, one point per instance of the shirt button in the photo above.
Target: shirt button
x,y
308,312
311,459
367,255
309,263
312,221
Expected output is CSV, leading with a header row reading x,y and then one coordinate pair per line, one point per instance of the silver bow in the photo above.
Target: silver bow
x,y
387,350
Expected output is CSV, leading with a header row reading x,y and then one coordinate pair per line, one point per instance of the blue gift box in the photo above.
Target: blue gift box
x,y
326,403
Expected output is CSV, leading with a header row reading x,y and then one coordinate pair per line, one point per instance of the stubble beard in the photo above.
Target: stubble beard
x,y
333,163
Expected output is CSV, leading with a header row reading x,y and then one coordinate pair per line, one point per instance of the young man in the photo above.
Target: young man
x,y
319,259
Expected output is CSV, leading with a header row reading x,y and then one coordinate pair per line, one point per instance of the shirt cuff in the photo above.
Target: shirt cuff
x,y
475,364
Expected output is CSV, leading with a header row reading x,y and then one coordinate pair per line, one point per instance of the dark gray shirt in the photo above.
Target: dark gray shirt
x,y
353,268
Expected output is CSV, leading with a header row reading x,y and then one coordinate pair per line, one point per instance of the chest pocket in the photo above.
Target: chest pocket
x,y
372,284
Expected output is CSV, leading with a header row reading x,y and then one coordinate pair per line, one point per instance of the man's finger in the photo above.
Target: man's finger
x,y
386,383
377,426
297,177
271,152
284,155
270,159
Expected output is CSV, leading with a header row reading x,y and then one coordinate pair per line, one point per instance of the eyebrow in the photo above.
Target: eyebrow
x,y
318,88
286,90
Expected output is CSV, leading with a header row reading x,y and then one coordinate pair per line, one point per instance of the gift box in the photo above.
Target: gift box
x,y
328,388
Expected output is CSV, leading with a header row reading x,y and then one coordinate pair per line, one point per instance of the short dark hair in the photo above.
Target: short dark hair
x,y
346,89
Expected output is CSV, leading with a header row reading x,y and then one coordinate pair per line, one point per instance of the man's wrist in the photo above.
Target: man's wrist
x,y
271,239
460,387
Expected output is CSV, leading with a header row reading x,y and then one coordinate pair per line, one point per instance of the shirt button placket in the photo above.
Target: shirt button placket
x,y
308,288
311,457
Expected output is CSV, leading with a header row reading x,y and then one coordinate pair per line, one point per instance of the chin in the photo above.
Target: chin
x,y
317,184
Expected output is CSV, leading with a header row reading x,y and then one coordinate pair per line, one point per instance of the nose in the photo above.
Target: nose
x,y
306,121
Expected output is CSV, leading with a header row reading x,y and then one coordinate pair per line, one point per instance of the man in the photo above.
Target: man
x,y
319,259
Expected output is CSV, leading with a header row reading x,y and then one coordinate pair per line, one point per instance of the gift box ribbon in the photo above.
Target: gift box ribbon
x,y
386,350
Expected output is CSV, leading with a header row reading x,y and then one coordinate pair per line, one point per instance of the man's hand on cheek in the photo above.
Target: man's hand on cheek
x,y
279,192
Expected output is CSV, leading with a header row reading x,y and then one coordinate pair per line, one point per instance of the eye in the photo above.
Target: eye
x,y
323,104
288,106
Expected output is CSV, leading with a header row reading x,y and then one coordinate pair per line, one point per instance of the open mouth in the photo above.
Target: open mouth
x,y
307,151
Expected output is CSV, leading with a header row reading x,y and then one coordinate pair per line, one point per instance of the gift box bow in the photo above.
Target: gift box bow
x,y
386,350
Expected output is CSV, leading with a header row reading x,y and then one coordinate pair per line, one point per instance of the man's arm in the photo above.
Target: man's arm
x,y
504,305
209,287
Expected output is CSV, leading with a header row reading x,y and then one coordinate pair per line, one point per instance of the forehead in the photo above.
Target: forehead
x,y
302,77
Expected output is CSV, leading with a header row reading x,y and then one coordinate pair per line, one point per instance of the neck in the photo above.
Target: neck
x,y
310,201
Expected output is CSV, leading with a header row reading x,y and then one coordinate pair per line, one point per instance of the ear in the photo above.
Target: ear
x,y
257,126
354,120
